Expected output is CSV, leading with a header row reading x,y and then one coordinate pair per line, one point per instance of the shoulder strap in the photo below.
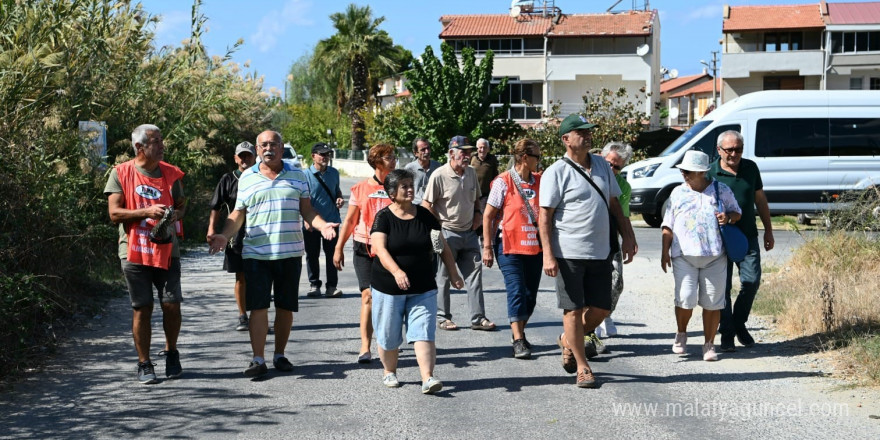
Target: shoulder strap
x,y
718,195
326,188
515,178
585,176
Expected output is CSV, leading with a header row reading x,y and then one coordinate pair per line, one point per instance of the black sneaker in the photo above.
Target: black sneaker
x,y
744,338
282,364
525,341
242,323
590,348
727,344
333,292
146,373
255,369
173,370
314,292
520,351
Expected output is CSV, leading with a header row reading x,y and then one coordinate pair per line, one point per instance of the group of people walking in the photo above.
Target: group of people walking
x,y
422,229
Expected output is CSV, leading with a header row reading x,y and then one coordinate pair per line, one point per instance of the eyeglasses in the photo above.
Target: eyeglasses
x,y
731,150
389,158
615,167
266,145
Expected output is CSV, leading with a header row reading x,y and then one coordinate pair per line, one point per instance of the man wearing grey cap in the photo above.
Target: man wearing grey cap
x,y
453,195
578,202
224,197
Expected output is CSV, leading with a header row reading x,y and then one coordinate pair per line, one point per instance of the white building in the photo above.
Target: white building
x,y
550,56
817,46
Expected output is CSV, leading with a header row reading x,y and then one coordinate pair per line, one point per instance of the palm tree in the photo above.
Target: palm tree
x,y
346,58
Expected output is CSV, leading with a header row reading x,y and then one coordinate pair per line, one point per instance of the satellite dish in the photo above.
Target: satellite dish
x,y
642,50
673,73
515,11
673,113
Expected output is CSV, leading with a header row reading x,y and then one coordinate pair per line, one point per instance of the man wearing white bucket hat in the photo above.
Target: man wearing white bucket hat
x,y
692,246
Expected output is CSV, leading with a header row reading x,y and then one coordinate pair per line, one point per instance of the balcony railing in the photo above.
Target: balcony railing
x,y
521,111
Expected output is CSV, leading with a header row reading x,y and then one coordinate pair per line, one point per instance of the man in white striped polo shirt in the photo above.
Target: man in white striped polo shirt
x,y
275,199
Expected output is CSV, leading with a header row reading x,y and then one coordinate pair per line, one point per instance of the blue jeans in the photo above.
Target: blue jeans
x,y
522,275
734,318
392,312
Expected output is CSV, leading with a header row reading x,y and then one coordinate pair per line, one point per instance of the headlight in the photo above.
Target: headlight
x,y
647,171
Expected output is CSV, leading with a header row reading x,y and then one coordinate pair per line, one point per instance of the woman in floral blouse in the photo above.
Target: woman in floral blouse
x,y
692,246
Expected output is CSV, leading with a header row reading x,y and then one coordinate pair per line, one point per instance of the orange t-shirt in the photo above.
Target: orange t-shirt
x,y
370,197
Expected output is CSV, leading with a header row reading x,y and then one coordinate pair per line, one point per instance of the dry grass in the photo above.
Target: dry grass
x,y
829,290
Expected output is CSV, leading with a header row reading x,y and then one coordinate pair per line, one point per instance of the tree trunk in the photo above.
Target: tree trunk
x,y
357,102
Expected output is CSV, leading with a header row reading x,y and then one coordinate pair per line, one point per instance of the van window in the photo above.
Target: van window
x,y
707,144
794,137
685,138
855,137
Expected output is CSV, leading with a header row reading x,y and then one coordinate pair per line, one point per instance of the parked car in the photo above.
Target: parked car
x,y
291,157
811,147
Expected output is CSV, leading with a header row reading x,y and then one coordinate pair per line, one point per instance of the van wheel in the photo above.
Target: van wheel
x,y
802,219
652,220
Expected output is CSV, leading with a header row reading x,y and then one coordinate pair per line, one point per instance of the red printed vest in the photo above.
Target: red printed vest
x,y
141,191
519,235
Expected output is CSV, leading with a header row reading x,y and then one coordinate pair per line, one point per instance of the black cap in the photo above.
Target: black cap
x,y
321,148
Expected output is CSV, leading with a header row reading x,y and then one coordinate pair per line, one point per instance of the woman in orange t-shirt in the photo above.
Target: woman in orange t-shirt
x,y
367,198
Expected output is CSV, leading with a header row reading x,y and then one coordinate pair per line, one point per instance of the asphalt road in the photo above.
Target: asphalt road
x,y
88,390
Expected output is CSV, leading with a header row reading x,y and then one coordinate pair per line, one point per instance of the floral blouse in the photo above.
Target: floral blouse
x,y
691,217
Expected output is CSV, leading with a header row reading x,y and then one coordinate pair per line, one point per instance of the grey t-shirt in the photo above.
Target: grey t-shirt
x,y
421,177
580,222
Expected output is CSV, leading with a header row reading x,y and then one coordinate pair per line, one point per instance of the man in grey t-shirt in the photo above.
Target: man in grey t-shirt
x,y
422,167
574,224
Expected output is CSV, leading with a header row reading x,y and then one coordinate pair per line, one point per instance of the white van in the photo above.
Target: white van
x,y
810,146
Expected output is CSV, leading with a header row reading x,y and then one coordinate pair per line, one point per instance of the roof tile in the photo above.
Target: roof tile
x,y
570,25
674,83
753,18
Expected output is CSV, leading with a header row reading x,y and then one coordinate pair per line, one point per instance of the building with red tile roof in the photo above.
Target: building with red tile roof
x,y
559,57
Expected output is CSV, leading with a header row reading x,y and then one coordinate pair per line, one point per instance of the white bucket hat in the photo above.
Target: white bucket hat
x,y
694,160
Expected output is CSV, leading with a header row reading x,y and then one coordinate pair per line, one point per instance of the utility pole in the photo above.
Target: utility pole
x,y
714,68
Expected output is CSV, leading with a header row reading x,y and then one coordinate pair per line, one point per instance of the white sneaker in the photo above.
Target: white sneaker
x,y
680,344
600,330
709,354
610,328
390,380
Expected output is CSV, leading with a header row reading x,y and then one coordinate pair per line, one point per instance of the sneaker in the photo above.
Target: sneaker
x,y
520,351
255,369
390,380
610,328
146,374
525,340
173,370
727,344
365,357
431,386
590,349
601,347
282,364
314,292
709,354
242,323
569,364
585,379
600,330
333,292
744,338
680,344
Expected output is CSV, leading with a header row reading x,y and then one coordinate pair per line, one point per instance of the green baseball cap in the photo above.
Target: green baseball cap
x,y
574,121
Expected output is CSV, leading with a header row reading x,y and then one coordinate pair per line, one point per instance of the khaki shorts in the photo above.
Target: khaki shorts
x,y
700,281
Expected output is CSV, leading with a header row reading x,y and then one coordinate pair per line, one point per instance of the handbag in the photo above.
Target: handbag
x,y
735,242
612,222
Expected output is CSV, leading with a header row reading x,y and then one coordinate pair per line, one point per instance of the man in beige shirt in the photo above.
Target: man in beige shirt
x,y
453,195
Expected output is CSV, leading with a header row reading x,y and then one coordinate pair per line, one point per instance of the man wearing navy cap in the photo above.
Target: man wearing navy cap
x,y
327,200
577,194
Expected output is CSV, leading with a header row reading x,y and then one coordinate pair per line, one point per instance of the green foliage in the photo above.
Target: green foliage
x,y
306,85
64,61
357,51
309,123
448,99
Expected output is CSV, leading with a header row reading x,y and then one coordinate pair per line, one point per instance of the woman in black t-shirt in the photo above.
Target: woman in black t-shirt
x,y
402,280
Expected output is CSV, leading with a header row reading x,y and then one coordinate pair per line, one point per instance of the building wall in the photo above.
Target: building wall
x,y
735,87
527,68
596,46
570,93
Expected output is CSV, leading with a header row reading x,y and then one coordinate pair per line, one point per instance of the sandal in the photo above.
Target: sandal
x,y
483,324
447,325
365,358
569,363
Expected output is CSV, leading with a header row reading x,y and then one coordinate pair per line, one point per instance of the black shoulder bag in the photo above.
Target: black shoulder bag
x,y
326,188
612,221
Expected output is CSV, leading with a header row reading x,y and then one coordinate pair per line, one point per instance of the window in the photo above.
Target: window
x,y
783,41
784,83
500,46
855,137
875,84
791,137
849,42
855,83
852,42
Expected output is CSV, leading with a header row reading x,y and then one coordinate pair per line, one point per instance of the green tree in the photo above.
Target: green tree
x,y
448,99
347,58
306,85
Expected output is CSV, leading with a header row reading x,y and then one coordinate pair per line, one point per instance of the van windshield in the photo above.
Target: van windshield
x,y
685,138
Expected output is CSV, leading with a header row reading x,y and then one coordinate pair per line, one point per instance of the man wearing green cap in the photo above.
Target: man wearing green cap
x,y
577,194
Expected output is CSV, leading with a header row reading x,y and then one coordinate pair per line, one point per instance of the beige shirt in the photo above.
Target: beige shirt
x,y
453,197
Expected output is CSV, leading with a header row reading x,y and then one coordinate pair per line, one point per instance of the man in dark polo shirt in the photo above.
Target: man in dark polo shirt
x,y
744,178
486,166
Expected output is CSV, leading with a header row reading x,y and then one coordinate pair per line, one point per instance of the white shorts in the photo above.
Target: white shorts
x,y
700,281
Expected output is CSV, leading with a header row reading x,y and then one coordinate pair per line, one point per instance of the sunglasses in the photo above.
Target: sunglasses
x,y
615,167
732,150
536,156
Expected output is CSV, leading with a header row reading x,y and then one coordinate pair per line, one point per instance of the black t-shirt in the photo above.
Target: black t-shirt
x,y
409,243
225,195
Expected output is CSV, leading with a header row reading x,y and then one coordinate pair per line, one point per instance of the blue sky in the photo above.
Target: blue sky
x,y
277,32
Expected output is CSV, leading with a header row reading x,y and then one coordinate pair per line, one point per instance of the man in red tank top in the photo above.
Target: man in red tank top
x,y
138,194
